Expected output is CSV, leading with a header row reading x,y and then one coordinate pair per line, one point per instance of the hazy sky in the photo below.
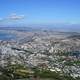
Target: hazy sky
x,y
39,11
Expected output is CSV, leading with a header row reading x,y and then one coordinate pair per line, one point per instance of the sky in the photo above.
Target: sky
x,y
39,11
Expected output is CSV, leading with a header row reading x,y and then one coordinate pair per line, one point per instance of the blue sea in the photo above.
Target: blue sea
x,y
7,36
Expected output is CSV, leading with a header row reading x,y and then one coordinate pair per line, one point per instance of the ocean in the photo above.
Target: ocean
x,y
7,36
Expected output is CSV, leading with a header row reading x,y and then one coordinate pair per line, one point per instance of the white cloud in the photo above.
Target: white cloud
x,y
1,19
14,16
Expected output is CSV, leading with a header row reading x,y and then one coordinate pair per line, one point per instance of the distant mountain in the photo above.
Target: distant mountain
x,y
53,27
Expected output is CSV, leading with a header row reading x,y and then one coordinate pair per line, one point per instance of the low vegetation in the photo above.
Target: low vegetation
x,y
13,72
